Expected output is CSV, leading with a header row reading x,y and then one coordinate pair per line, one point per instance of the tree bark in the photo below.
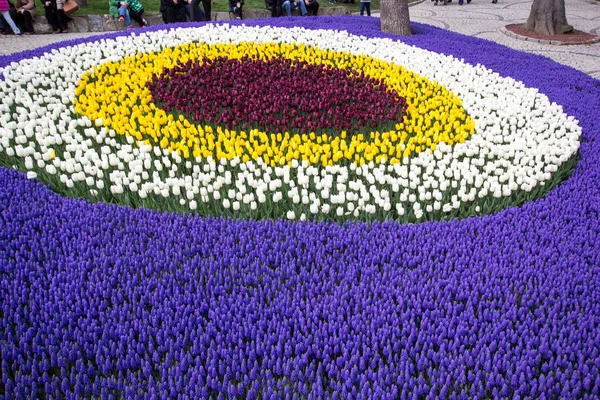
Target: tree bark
x,y
394,17
548,17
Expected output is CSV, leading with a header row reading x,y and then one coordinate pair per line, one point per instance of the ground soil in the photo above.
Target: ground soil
x,y
575,37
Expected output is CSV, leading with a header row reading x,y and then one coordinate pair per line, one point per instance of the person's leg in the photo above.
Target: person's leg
x,y
141,13
27,21
287,7
315,7
9,21
196,13
191,10
199,13
206,4
51,17
20,21
302,8
171,15
237,11
124,12
137,17
181,14
362,8
63,20
368,5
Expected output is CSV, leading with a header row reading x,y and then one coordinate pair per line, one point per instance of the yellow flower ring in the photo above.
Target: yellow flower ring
x,y
117,94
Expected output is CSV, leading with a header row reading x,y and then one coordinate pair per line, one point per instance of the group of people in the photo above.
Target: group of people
x,y
183,10
18,18
278,7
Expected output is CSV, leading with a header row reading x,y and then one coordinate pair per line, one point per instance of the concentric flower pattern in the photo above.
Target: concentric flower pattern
x,y
109,302
426,166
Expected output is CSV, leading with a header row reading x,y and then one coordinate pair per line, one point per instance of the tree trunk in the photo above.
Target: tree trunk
x,y
394,17
548,17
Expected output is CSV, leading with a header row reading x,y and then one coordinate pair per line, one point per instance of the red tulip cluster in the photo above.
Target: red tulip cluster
x,y
277,95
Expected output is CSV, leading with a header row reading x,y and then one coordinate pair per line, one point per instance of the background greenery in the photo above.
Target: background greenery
x,y
151,6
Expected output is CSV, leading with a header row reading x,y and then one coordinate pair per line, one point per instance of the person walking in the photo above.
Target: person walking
x,y
5,10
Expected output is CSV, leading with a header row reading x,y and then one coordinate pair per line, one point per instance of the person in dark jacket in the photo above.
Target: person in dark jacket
x,y
312,6
173,11
55,15
235,7
275,6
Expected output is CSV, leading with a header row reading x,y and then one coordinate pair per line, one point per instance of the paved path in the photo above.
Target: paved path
x,y
481,18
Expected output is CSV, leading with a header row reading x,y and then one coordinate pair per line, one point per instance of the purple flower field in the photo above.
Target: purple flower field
x,y
106,301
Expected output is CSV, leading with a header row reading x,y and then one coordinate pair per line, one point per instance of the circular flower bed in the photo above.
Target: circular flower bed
x,y
473,143
107,301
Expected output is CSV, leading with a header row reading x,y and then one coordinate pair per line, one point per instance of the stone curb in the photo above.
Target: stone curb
x,y
106,23
546,41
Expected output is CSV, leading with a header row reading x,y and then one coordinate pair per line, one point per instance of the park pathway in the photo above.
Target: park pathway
x,y
481,18
485,20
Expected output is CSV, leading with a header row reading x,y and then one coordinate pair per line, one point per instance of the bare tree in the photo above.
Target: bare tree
x,y
394,17
548,17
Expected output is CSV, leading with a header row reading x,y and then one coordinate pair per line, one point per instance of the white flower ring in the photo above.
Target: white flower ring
x,y
521,139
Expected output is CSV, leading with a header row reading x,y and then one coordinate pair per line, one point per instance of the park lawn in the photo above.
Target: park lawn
x,y
95,7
